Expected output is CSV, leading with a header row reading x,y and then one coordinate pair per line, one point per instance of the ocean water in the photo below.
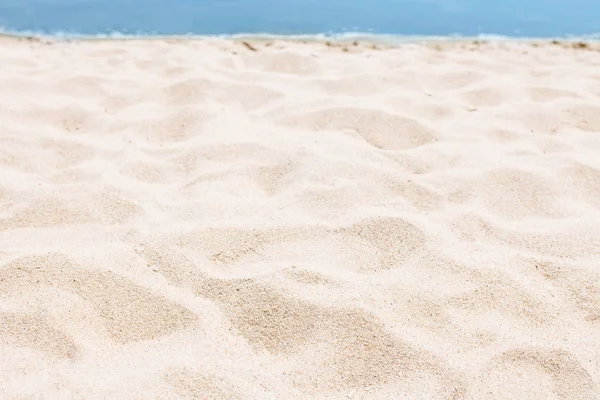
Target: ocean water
x,y
520,18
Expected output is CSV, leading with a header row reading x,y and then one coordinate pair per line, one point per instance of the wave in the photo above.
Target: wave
x,y
326,36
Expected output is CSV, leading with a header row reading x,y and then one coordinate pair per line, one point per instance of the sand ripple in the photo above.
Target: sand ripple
x,y
208,219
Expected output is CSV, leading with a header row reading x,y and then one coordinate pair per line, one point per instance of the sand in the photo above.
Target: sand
x,y
208,219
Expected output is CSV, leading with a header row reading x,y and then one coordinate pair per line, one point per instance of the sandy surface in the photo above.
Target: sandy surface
x,y
209,220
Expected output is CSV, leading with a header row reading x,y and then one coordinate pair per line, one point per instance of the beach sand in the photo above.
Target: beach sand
x,y
208,219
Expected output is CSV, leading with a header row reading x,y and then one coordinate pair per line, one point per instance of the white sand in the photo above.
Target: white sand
x,y
195,219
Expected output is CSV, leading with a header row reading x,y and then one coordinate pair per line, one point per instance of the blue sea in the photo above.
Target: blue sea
x,y
514,18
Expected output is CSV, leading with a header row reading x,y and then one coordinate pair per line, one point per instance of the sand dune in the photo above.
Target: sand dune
x,y
204,219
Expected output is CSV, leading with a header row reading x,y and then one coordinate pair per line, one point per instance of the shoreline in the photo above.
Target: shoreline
x,y
389,40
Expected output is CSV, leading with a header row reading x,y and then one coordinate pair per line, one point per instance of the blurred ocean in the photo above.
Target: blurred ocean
x,y
520,18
